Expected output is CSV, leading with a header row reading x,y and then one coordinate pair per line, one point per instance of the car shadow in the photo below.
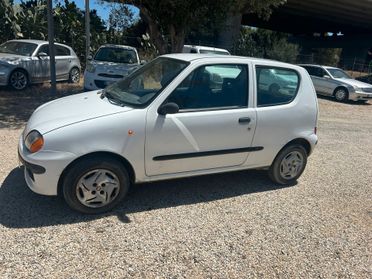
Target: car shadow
x,y
348,102
21,208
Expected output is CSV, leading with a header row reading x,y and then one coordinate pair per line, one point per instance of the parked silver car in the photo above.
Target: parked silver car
x,y
23,62
109,64
331,81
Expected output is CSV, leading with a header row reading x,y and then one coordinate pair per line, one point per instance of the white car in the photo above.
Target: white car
x,y
109,64
204,50
170,119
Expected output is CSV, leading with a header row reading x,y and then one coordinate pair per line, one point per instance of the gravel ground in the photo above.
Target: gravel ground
x,y
234,225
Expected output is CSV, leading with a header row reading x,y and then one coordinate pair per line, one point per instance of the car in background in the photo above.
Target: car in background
x,y
24,62
169,119
331,81
204,50
110,64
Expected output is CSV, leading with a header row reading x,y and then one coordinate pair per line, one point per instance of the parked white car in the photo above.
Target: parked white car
x,y
109,64
331,81
204,50
170,119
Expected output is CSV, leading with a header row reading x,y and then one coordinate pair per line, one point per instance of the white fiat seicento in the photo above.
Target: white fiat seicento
x,y
179,115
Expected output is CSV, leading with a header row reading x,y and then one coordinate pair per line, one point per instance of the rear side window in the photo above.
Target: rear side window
x,y
62,51
276,86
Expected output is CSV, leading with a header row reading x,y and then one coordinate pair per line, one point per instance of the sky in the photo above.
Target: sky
x,y
103,10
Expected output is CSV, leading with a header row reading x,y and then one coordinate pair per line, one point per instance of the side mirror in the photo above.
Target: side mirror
x,y
142,62
42,54
326,76
168,108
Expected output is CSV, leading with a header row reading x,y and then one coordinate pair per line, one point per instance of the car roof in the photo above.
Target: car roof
x,y
190,57
38,42
118,46
315,65
206,48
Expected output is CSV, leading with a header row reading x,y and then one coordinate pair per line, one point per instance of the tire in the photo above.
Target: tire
x,y
74,75
341,94
95,185
18,79
288,165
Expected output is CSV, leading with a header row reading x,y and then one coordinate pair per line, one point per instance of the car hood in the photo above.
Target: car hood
x,y
8,58
354,82
113,68
69,110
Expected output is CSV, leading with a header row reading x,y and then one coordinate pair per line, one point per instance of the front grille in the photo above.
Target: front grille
x,y
110,75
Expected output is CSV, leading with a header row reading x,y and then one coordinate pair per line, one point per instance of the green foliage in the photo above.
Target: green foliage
x,y
327,56
32,19
266,44
8,21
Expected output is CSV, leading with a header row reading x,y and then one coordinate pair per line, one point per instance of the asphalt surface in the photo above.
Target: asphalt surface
x,y
233,225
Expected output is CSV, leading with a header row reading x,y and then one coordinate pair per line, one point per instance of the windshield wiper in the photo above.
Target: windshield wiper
x,y
112,99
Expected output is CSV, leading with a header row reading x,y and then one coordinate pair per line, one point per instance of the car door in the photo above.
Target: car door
x,y
41,65
63,61
214,127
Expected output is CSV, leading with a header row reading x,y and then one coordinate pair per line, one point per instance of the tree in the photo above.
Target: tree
x,y
8,21
266,44
32,18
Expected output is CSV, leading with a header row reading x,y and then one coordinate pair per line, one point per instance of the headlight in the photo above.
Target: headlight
x,y
90,68
34,141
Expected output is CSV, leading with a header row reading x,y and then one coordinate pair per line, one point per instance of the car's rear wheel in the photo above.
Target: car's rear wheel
x,y
288,165
74,76
341,94
95,185
18,80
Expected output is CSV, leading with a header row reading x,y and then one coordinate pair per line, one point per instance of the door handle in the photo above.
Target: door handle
x,y
244,120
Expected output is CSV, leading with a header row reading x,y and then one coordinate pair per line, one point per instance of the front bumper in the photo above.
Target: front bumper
x,y
93,81
4,77
43,168
360,95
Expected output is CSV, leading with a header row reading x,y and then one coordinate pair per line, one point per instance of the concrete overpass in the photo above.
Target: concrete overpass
x,y
350,17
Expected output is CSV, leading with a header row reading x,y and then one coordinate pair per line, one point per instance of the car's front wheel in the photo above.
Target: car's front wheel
x,y
341,95
288,165
95,185
18,79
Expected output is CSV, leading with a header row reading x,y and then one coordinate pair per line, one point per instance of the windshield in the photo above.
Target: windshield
x,y
19,48
142,86
116,55
338,73
206,51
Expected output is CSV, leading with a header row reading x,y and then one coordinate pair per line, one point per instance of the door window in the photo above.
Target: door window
x,y
276,86
213,87
45,49
62,51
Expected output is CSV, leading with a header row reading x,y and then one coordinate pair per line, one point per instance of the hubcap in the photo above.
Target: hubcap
x,y
340,95
18,80
75,75
97,188
291,165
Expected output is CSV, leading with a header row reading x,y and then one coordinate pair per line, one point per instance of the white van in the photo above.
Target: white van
x,y
204,50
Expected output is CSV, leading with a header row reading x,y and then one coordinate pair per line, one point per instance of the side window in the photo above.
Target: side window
x,y
276,86
62,51
44,48
213,87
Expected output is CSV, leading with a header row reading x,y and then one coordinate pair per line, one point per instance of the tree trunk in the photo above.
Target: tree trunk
x,y
177,38
230,31
154,31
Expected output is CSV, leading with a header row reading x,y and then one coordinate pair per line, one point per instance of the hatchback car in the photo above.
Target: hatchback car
x,y
171,118
23,62
331,81
109,64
